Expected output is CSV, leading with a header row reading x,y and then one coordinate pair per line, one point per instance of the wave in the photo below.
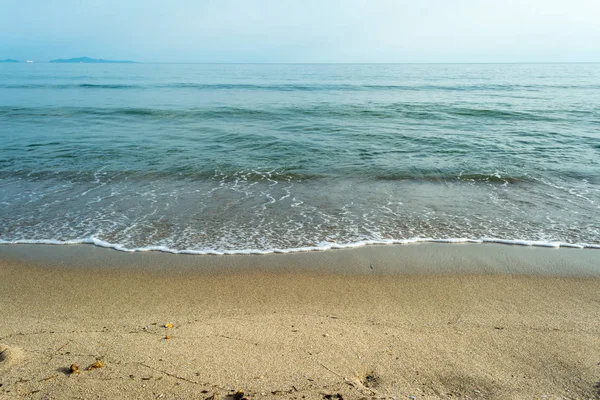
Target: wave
x,y
212,174
104,86
58,86
147,113
498,114
420,112
236,175
444,177
297,87
321,247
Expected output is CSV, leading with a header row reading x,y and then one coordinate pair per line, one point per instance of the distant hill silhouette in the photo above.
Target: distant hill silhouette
x,y
9,60
90,61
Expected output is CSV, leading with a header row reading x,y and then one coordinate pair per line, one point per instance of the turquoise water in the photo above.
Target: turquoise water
x,y
261,158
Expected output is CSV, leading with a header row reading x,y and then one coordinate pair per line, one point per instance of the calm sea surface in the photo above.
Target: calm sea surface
x,y
261,158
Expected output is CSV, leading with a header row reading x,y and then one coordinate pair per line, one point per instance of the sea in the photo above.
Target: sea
x,y
263,158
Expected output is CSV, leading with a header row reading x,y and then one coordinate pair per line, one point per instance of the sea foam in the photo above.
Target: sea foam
x,y
324,246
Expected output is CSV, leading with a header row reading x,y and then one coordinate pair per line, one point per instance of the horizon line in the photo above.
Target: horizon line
x,y
308,62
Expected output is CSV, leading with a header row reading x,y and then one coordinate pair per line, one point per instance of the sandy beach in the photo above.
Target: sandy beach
x,y
405,322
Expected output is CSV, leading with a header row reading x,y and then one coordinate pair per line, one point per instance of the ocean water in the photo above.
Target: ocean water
x,y
261,158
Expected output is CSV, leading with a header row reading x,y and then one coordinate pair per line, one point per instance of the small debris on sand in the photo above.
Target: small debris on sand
x,y
96,365
239,395
74,369
370,380
168,325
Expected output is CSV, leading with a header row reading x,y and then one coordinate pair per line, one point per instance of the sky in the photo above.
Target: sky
x,y
327,31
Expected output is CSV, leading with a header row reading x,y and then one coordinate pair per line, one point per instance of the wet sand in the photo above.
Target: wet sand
x,y
429,321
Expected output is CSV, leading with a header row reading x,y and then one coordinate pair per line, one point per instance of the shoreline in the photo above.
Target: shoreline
x,y
417,258
322,247
476,323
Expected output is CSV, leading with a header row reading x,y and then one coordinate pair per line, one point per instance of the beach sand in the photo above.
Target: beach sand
x,y
429,321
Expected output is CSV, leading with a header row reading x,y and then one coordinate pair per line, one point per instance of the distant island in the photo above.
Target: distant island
x,y
89,60
9,60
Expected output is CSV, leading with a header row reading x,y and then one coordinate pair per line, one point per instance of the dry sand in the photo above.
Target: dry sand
x,y
341,324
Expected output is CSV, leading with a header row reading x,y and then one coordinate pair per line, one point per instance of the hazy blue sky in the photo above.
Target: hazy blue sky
x,y
302,30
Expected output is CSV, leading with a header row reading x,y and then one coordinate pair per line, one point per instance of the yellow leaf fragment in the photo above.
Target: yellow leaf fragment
x,y
74,368
168,325
97,364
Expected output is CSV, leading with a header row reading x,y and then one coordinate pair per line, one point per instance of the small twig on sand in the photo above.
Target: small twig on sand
x,y
56,351
348,381
330,370
169,374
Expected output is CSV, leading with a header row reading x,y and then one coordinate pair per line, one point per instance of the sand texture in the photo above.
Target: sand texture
x,y
267,334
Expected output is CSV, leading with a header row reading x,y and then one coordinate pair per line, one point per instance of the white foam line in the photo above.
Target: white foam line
x,y
523,242
320,247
